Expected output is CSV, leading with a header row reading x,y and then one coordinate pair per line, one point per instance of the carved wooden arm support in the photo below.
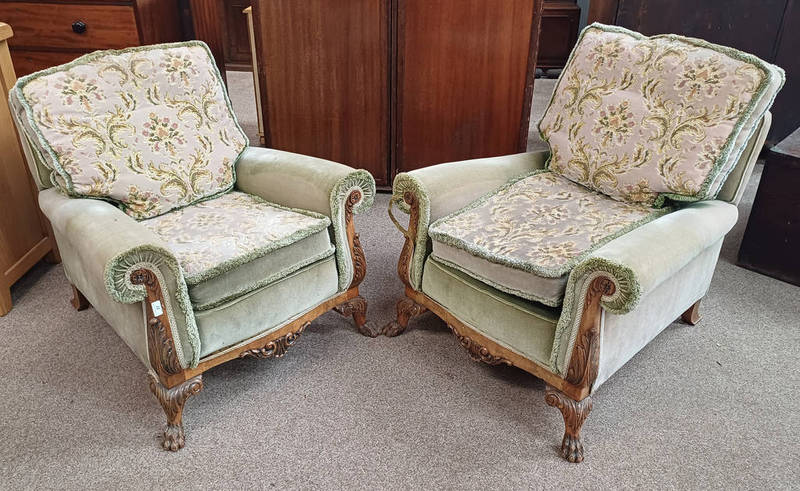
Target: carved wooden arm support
x,y
160,340
584,362
407,253
356,252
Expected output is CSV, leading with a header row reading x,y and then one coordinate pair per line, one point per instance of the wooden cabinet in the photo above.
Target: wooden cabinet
x,y
24,233
394,85
559,33
772,239
49,33
237,40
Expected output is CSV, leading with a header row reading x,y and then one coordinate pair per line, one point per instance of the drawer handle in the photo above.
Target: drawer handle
x,y
79,27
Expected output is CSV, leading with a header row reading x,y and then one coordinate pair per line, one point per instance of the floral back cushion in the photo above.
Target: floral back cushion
x,y
642,119
149,128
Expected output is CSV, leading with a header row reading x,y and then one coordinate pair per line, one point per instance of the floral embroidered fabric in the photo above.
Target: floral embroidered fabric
x,y
149,127
542,224
633,117
215,236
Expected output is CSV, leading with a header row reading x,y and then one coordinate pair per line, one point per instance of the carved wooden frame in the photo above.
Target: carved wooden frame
x,y
570,393
173,385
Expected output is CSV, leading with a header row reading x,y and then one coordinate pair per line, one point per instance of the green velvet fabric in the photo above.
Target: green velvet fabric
x,y
442,189
519,325
267,308
260,271
639,261
308,183
91,234
625,335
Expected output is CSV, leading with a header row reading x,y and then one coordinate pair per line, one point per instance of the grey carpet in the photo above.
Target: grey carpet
x,y
708,406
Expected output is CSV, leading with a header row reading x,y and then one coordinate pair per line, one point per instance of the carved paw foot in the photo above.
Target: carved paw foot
x,y
392,329
572,449
173,438
574,413
172,401
406,309
357,307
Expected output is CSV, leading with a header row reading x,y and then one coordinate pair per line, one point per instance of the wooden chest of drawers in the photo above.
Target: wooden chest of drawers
x,y
49,33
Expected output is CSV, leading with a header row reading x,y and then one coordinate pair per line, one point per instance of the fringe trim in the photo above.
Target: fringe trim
x,y
358,180
406,182
624,299
118,284
63,181
524,265
725,157
266,281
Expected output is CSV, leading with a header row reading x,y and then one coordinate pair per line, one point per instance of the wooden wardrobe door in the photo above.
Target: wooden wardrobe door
x,y
324,77
465,73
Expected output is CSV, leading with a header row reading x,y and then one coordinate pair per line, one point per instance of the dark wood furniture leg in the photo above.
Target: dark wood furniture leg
x,y
692,314
574,413
78,300
357,307
172,401
406,309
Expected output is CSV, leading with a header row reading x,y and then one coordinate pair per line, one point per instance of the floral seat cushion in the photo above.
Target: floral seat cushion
x,y
149,128
526,237
236,243
642,119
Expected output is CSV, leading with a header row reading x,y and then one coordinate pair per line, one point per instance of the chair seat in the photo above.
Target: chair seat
x,y
526,237
236,243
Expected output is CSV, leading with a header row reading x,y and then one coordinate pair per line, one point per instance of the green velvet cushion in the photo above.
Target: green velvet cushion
x,y
238,242
261,271
525,327
267,308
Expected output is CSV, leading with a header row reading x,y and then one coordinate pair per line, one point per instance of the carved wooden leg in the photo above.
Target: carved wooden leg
x,y
172,401
692,314
78,300
406,309
357,307
574,413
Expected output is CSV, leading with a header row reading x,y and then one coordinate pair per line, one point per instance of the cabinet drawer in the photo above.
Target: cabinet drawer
x,y
26,61
50,25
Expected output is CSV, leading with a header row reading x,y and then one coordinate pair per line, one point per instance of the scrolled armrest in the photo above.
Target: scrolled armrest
x,y
639,261
108,236
309,183
300,181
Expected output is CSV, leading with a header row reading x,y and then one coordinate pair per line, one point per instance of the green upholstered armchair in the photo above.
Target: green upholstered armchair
x,y
566,263
194,247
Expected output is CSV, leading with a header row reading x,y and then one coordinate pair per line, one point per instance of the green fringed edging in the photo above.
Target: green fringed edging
x,y
513,291
118,284
726,156
235,262
68,186
266,281
624,299
404,182
360,180
490,256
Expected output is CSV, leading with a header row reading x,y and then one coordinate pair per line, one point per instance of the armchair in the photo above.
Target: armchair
x,y
565,263
194,247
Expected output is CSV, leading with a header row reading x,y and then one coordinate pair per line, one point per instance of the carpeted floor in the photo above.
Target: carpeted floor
x,y
708,406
